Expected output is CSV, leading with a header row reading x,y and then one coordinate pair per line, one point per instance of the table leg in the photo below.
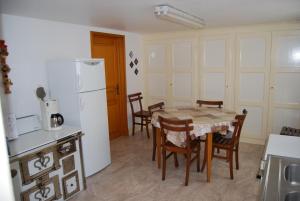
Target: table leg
x,y
158,147
208,156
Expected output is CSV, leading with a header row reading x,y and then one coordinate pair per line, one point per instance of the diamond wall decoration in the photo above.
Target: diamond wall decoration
x,y
131,64
131,54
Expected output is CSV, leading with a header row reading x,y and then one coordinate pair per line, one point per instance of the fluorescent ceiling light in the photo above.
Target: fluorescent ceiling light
x,y
175,15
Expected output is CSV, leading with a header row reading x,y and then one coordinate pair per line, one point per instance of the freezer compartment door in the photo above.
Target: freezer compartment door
x,y
90,75
94,123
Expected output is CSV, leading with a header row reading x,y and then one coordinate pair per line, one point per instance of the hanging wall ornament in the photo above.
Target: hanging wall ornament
x,y
5,69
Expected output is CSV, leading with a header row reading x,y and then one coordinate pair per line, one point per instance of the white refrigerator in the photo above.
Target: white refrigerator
x,y
79,86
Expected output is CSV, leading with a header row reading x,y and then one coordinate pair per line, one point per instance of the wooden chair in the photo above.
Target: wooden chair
x,y
191,146
210,103
230,145
151,109
142,114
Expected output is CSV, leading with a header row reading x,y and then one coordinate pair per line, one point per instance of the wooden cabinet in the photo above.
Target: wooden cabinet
x,y
53,172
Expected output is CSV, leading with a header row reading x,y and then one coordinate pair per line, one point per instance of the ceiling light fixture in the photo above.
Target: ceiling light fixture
x,y
175,15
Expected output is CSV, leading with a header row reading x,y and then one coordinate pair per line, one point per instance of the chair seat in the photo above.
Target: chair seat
x,y
193,145
221,140
142,113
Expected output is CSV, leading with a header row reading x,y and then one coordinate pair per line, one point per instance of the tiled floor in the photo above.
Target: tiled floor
x,y
133,176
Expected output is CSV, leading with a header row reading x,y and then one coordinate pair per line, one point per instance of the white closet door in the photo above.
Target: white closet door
x,y
252,83
215,62
157,79
285,81
182,71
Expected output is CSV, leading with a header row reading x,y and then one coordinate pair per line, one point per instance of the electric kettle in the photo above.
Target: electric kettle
x,y
56,120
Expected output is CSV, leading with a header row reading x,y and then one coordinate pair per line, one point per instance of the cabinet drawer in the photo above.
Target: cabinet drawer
x,y
37,164
71,185
66,148
45,191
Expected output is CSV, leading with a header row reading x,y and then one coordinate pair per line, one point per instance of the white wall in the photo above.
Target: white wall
x,y
32,42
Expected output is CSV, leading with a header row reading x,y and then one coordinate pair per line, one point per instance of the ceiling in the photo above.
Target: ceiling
x,y
137,15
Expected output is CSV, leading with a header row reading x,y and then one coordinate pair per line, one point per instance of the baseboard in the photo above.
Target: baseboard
x,y
252,140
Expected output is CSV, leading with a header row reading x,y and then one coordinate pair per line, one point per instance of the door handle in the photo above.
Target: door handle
x,y
118,89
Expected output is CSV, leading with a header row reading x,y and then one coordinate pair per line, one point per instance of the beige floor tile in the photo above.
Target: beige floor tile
x,y
133,176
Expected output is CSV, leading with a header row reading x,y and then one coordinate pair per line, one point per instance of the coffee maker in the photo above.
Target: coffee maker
x,y
51,119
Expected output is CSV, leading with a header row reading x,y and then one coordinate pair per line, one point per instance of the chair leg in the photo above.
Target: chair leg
x,y
198,157
142,123
237,157
164,164
204,159
175,160
133,126
187,173
154,143
231,163
147,128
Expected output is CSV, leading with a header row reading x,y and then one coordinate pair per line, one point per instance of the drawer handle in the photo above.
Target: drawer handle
x,y
41,162
42,193
65,149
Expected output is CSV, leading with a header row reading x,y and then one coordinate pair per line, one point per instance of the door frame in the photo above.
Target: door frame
x,y
122,75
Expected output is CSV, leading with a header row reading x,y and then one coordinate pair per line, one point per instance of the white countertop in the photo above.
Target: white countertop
x,y
35,139
283,145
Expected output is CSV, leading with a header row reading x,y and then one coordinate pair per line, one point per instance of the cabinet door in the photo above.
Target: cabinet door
x,y
47,191
170,74
285,81
182,86
71,185
215,63
156,72
252,83
34,165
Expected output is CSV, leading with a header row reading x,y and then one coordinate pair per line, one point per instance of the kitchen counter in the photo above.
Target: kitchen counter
x,y
280,163
39,138
283,145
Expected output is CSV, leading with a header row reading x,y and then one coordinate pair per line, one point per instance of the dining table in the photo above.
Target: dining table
x,y
206,122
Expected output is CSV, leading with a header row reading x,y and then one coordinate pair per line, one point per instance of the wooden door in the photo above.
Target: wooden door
x,y
112,49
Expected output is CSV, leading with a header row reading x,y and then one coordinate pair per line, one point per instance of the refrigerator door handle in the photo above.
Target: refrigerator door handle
x,y
91,63
79,82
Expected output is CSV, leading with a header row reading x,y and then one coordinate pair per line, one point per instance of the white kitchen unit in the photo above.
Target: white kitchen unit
x,y
79,86
280,168
47,165
283,145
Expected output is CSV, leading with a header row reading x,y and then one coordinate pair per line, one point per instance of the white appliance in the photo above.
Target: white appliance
x,y
49,110
80,87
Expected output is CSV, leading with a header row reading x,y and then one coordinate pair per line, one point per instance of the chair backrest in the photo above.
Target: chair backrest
x,y
211,103
155,107
175,125
136,97
238,125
